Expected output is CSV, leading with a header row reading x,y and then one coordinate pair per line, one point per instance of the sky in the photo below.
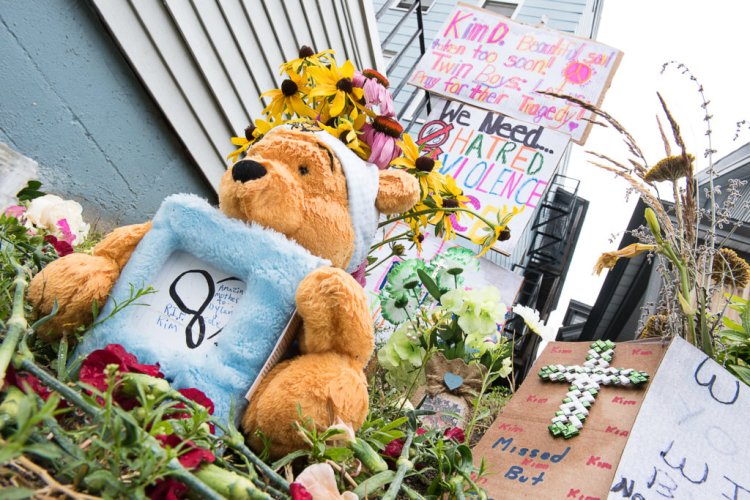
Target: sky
x,y
710,38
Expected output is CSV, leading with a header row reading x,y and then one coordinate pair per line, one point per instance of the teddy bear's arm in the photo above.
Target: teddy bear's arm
x,y
120,243
77,280
335,315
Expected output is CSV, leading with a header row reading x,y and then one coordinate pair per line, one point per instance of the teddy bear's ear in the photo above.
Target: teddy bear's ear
x,y
398,192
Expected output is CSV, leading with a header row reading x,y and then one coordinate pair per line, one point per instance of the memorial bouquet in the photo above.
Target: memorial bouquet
x,y
357,107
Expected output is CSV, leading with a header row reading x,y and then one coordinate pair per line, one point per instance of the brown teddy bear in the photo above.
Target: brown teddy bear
x,y
308,186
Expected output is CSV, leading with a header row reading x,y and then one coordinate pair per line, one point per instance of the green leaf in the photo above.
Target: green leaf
x,y
742,372
745,316
730,323
338,454
44,450
16,493
429,284
287,459
30,192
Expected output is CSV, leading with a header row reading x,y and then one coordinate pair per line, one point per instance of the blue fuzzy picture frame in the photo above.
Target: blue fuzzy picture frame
x,y
247,277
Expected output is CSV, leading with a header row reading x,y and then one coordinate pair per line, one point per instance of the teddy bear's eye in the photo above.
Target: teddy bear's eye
x,y
303,170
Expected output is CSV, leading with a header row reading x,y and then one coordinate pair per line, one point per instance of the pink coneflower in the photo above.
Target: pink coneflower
x,y
375,86
382,135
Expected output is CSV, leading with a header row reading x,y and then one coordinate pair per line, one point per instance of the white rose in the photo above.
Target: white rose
x,y
47,210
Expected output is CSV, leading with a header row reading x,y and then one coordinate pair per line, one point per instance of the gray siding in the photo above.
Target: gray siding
x,y
69,101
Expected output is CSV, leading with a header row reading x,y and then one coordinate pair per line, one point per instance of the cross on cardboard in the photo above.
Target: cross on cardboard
x,y
585,383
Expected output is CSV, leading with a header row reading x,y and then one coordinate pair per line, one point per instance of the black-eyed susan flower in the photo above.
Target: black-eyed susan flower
x,y
424,168
336,84
449,197
346,132
730,269
288,99
307,57
488,235
253,133
670,168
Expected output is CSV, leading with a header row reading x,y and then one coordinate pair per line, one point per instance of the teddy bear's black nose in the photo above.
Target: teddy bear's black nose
x,y
247,170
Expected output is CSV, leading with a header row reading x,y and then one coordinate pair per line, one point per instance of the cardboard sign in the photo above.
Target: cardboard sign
x,y
525,461
482,58
497,161
489,273
692,438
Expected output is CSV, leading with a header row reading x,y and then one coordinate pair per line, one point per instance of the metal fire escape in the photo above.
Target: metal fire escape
x,y
554,235
418,101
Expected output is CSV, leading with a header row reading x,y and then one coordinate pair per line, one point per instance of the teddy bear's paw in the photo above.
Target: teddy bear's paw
x,y
322,387
75,282
335,315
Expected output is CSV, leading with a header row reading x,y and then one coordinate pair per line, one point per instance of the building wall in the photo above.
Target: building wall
x,y
69,100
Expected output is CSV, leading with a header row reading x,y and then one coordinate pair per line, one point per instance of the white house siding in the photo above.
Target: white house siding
x,y
206,62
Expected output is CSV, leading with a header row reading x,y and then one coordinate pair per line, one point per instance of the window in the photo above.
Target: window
x,y
406,5
505,8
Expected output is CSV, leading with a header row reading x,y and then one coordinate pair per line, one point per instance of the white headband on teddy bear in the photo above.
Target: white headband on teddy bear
x,y
362,187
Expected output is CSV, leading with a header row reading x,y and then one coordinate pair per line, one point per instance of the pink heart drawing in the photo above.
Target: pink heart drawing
x,y
572,126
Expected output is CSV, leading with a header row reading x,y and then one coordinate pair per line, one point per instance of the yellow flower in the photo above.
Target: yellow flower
x,y
336,83
307,57
424,168
416,234
287,99
252,134
499,232
346,131
609,259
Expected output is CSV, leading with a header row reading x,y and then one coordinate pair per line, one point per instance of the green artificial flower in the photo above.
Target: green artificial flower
x,y
398,299
451,265
453,300
401,349
481,311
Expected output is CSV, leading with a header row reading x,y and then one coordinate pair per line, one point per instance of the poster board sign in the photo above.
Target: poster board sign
x,y
499,162
691,438
524,460
482,58
489,273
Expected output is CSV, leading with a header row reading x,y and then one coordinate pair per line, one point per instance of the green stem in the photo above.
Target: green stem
x,y
433,210
17,324
62,359
377,264
389,240
404,465
234,440
149,442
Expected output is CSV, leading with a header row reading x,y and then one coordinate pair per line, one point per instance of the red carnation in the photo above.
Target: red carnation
x,y
421,431
299,492
191,455
456,434
62,247
393,449
93,370
168,489
199,397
